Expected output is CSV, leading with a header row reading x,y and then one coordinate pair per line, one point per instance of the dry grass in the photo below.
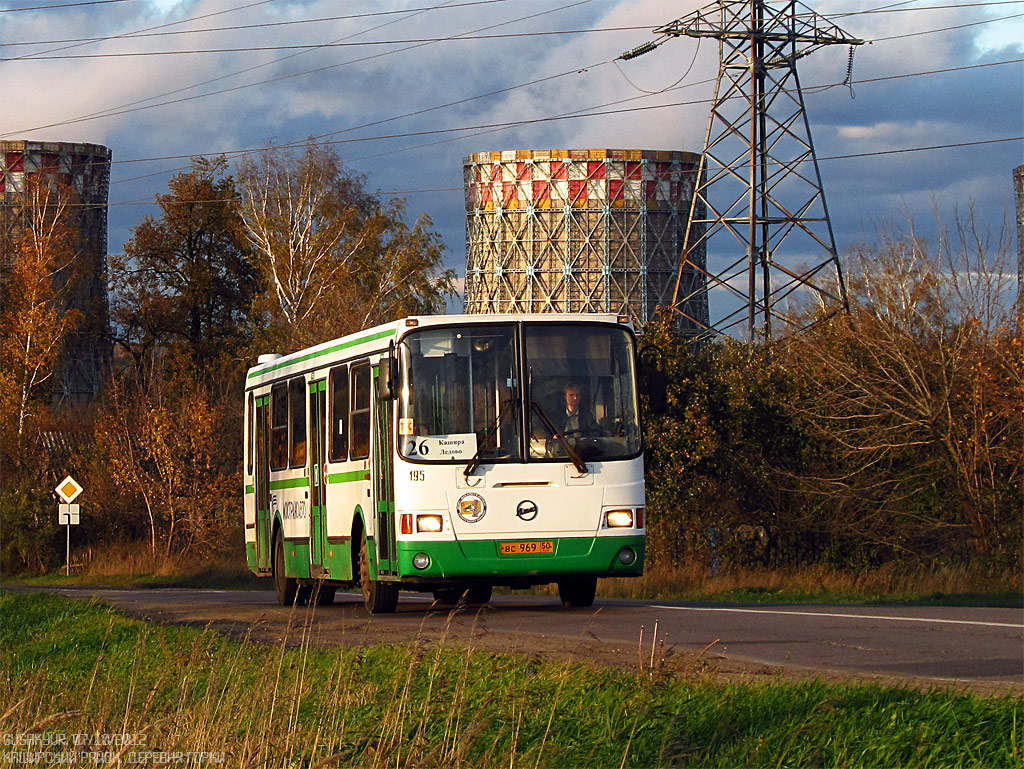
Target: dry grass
x,y
890,582
133,563
128,558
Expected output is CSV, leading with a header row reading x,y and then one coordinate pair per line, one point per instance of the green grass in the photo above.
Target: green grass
x,y
73,667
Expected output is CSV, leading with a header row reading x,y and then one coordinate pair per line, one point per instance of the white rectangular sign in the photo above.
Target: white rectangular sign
x,y
454,446
69,514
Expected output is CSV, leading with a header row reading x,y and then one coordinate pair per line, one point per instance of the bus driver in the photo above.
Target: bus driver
x,y
577,422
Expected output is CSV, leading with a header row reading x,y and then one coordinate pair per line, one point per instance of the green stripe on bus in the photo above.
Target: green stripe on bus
x,y
355,475
250,489
596,556
289,483
328,351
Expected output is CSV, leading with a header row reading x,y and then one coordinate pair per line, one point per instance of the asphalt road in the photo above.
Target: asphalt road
x,y
979,647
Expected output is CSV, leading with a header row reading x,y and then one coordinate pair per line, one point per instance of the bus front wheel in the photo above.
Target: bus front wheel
x,y
577,593
378,597
286,586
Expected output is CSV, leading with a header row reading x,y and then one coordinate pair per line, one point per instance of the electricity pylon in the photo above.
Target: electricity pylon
x,y
759,178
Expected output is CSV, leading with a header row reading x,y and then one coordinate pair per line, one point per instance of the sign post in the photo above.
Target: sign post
x,y
67,513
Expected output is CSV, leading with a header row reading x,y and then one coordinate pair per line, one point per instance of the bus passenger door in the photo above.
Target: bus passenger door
x,y
318,491
384,486
262,482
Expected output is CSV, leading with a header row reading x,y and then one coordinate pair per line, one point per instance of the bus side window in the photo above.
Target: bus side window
x,y
338,451
279,427
250,420
359,414
297,408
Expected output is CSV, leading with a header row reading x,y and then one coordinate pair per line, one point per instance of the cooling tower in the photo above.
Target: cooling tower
x,y
594,230
85,168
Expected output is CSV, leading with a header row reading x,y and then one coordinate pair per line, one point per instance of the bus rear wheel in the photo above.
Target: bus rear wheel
x,y
286,587
577,593
378,597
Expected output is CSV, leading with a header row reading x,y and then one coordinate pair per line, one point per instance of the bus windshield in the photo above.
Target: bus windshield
x,y
487,391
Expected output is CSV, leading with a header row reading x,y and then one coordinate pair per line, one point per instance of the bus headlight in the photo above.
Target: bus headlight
x,y
626,556
421,561
429,523
619,519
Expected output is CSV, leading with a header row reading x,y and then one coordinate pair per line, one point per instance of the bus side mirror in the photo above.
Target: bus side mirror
x,y
654,380
657,392
388,384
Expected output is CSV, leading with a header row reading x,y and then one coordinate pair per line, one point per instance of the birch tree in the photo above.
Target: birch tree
x,y
331,255
35,316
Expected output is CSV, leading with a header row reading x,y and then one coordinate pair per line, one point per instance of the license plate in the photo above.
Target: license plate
x,y
526,548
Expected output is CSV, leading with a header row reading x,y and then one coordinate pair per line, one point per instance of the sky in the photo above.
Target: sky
x,y
151,80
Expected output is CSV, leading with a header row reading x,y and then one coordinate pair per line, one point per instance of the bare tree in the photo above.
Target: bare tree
x,y
919,391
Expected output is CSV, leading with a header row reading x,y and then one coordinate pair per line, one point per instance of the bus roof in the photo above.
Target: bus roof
x,y
393,329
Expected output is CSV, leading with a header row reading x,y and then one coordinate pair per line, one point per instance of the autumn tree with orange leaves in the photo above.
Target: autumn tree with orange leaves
x,y
36,317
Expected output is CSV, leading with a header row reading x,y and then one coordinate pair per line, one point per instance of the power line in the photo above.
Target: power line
x,y
128,107
60,5
161,26
314,46
131,107
322,19
946,29
595,111
956,145
135,106
900,151
496,127
263,25
916,8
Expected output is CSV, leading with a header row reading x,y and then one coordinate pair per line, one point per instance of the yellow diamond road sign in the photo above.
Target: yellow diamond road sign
x,y
69,489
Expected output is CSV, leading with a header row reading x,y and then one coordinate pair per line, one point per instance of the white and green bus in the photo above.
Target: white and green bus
x,y
448,455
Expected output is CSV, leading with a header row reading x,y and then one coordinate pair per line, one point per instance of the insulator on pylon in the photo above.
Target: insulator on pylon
x,y
640,50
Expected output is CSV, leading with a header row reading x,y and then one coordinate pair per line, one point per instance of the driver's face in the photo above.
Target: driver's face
x,y
572,399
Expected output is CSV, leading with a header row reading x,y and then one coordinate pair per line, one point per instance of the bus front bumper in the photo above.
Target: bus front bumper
x,y
621,556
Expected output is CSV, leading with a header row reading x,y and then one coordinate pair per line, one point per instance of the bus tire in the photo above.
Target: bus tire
x,y
285,586
378,597
578,592
478,594
324,594
448,596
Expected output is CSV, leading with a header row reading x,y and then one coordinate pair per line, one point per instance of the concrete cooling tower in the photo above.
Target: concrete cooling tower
x,y
594,230
85,169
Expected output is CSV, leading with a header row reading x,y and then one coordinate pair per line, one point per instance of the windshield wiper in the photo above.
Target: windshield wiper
x,y
474,462
573,455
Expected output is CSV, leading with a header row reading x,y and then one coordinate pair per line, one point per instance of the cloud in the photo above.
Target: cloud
x,y
343,88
